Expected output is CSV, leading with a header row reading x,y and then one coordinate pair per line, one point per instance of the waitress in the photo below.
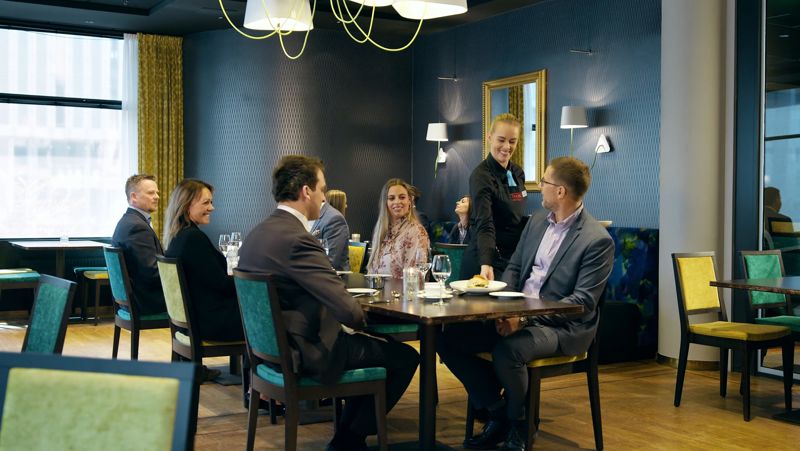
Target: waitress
x,y
497,188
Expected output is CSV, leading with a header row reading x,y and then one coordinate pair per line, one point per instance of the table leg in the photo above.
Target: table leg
x,y
60,263
427,395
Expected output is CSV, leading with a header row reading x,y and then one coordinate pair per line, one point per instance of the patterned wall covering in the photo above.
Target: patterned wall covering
x,y
619,84
247,105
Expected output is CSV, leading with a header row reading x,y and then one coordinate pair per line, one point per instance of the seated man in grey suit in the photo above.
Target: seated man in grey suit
x,y
563,255
315,302
332,226
140,245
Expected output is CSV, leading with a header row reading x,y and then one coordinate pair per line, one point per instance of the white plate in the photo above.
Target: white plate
x,y
507,294
461,285
377,275
339,273
369,291
435,295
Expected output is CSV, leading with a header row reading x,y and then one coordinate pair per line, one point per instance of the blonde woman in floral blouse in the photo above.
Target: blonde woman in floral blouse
x,y
398,234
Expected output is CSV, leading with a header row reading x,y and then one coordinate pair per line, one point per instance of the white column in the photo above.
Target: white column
x,y
692,201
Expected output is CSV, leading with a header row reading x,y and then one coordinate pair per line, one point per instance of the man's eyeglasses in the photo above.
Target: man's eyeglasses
x,y
550,183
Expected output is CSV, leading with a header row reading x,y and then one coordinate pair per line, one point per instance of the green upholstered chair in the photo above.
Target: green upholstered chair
x,y
18,279
455,252
98,277
767,265
126,315
136,405
186,342
356,251
49,316
271,369
693,273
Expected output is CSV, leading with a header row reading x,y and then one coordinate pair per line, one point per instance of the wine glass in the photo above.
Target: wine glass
x,y
236,240
422,260
441,269
325,246
224,242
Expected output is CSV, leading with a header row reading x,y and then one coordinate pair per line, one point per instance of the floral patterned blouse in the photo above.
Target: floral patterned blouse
x,y
398,248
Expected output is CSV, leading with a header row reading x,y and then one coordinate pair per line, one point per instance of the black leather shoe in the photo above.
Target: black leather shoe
x,y
515,440
263,406
494,432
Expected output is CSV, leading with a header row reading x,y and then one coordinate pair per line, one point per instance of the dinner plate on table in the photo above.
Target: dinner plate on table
x,y
462,285
377,275
435,295
507,294
367,291
339,273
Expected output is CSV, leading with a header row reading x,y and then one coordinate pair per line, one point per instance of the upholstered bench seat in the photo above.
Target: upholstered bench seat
x,y
792,322
739,331
186,341
126,315
348,377
18,276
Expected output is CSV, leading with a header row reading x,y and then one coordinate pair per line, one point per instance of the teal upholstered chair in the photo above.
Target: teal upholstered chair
x,y
767,265
96,275
49,316
151,405
271,369
126,315
18,279
455,252
186,341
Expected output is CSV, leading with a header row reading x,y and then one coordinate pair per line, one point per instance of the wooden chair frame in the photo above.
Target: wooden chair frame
x,y
62,328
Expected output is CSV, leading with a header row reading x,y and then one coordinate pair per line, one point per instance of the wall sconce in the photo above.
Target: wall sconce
x,y
437,131
573,117
603,145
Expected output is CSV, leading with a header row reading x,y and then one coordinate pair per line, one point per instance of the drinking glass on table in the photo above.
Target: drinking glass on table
x,y
224,242
441,269
236,240
325,246
422,260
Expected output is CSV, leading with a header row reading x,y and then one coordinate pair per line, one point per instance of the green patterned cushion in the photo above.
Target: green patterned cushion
x,y
455,255
257,315
173,295
115,276
764,267
48,410
126,315
792,322
20,277
348,377
389,329
46,318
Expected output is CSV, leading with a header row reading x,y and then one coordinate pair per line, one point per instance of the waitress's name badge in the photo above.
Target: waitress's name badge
x,y
518,196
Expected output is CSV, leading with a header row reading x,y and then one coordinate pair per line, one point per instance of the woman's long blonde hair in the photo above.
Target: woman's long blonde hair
x,y
337,199
382,225
177,215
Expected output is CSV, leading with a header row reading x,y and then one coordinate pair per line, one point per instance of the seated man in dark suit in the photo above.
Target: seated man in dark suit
x,y
563,255
140,245
315,302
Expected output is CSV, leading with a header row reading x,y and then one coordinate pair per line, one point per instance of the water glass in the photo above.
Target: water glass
x,y
325,246
441,269
224,242
236,240
422,259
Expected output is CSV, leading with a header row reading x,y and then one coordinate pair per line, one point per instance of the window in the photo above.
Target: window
x,y
62,159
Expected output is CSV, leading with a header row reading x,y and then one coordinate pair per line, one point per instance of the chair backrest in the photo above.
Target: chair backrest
x,y
764,265
118,279
264,331
693,274
151,404
49,315
175,293
455,252
356,251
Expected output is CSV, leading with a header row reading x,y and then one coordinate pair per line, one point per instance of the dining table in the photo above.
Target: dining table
x,y
431,316
60,248
783,285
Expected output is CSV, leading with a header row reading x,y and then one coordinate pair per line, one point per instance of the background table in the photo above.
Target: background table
x,y
430,316
60,247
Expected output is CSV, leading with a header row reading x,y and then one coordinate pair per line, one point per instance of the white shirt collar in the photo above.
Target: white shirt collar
x,y
300,216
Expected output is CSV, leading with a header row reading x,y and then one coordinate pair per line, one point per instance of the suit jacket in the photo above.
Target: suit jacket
x,y
332,226
314,299
211,290
140,246
577,275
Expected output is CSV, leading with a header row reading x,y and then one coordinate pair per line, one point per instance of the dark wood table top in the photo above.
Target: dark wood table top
x,y
783,285
459,308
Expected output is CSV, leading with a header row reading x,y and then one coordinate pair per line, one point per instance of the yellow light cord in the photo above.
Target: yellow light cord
x,y
367,34
225,13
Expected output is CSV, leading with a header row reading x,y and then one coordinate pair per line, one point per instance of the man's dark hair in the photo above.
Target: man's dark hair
x,y
292,173
132,184
573,174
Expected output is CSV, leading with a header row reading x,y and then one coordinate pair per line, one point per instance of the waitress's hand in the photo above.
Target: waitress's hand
x,y
487,271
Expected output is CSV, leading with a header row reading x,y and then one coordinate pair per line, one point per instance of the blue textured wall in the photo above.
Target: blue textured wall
x,y
246,105
619,83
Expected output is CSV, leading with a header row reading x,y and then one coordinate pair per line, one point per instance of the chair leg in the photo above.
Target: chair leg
x,y
135,344
337,413
469,429
233,365
594,401
748,354
380,418
84,299
682,357
273,417
252,419
115,349
97,287
723,372
534,392
291,418
787,351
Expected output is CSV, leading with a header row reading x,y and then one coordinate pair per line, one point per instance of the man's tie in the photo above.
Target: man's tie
x,y
511,182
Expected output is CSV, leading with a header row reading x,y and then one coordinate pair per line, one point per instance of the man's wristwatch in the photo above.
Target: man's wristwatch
x,y
524,321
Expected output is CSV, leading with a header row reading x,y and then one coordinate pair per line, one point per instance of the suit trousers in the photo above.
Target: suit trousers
x,y
459,343
362,351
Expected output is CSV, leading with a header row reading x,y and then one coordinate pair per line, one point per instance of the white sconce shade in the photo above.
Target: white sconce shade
x,y
374,2
437,131
429,9
573,117
283,15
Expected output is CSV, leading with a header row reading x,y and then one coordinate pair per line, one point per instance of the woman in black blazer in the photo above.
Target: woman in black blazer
x,y
211,290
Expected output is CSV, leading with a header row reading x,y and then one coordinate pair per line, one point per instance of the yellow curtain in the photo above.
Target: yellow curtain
x,y
161,114
516,107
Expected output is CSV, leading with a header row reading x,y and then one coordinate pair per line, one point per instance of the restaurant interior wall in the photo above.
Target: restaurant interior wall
x,y
618,83
246,106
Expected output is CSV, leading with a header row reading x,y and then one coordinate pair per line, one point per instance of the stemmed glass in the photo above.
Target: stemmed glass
x,y
224,242
422,260
236,240
325,246
441,271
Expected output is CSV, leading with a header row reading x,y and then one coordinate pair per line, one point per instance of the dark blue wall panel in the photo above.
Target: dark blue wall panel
x,y
619,84
246,105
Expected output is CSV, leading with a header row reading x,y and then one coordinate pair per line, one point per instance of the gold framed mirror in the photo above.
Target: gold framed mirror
x,y
524,96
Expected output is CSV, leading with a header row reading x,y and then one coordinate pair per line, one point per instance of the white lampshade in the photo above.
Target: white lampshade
x,y
573,117
437,131
429,9
371,3
278,14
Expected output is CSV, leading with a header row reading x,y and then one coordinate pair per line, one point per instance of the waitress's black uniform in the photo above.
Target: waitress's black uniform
x,y
498,216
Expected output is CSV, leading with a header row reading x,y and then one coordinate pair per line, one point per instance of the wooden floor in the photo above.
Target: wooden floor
x,y
636,402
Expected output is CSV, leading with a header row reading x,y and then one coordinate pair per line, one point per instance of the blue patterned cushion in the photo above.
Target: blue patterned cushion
x,y
126,315
348,377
